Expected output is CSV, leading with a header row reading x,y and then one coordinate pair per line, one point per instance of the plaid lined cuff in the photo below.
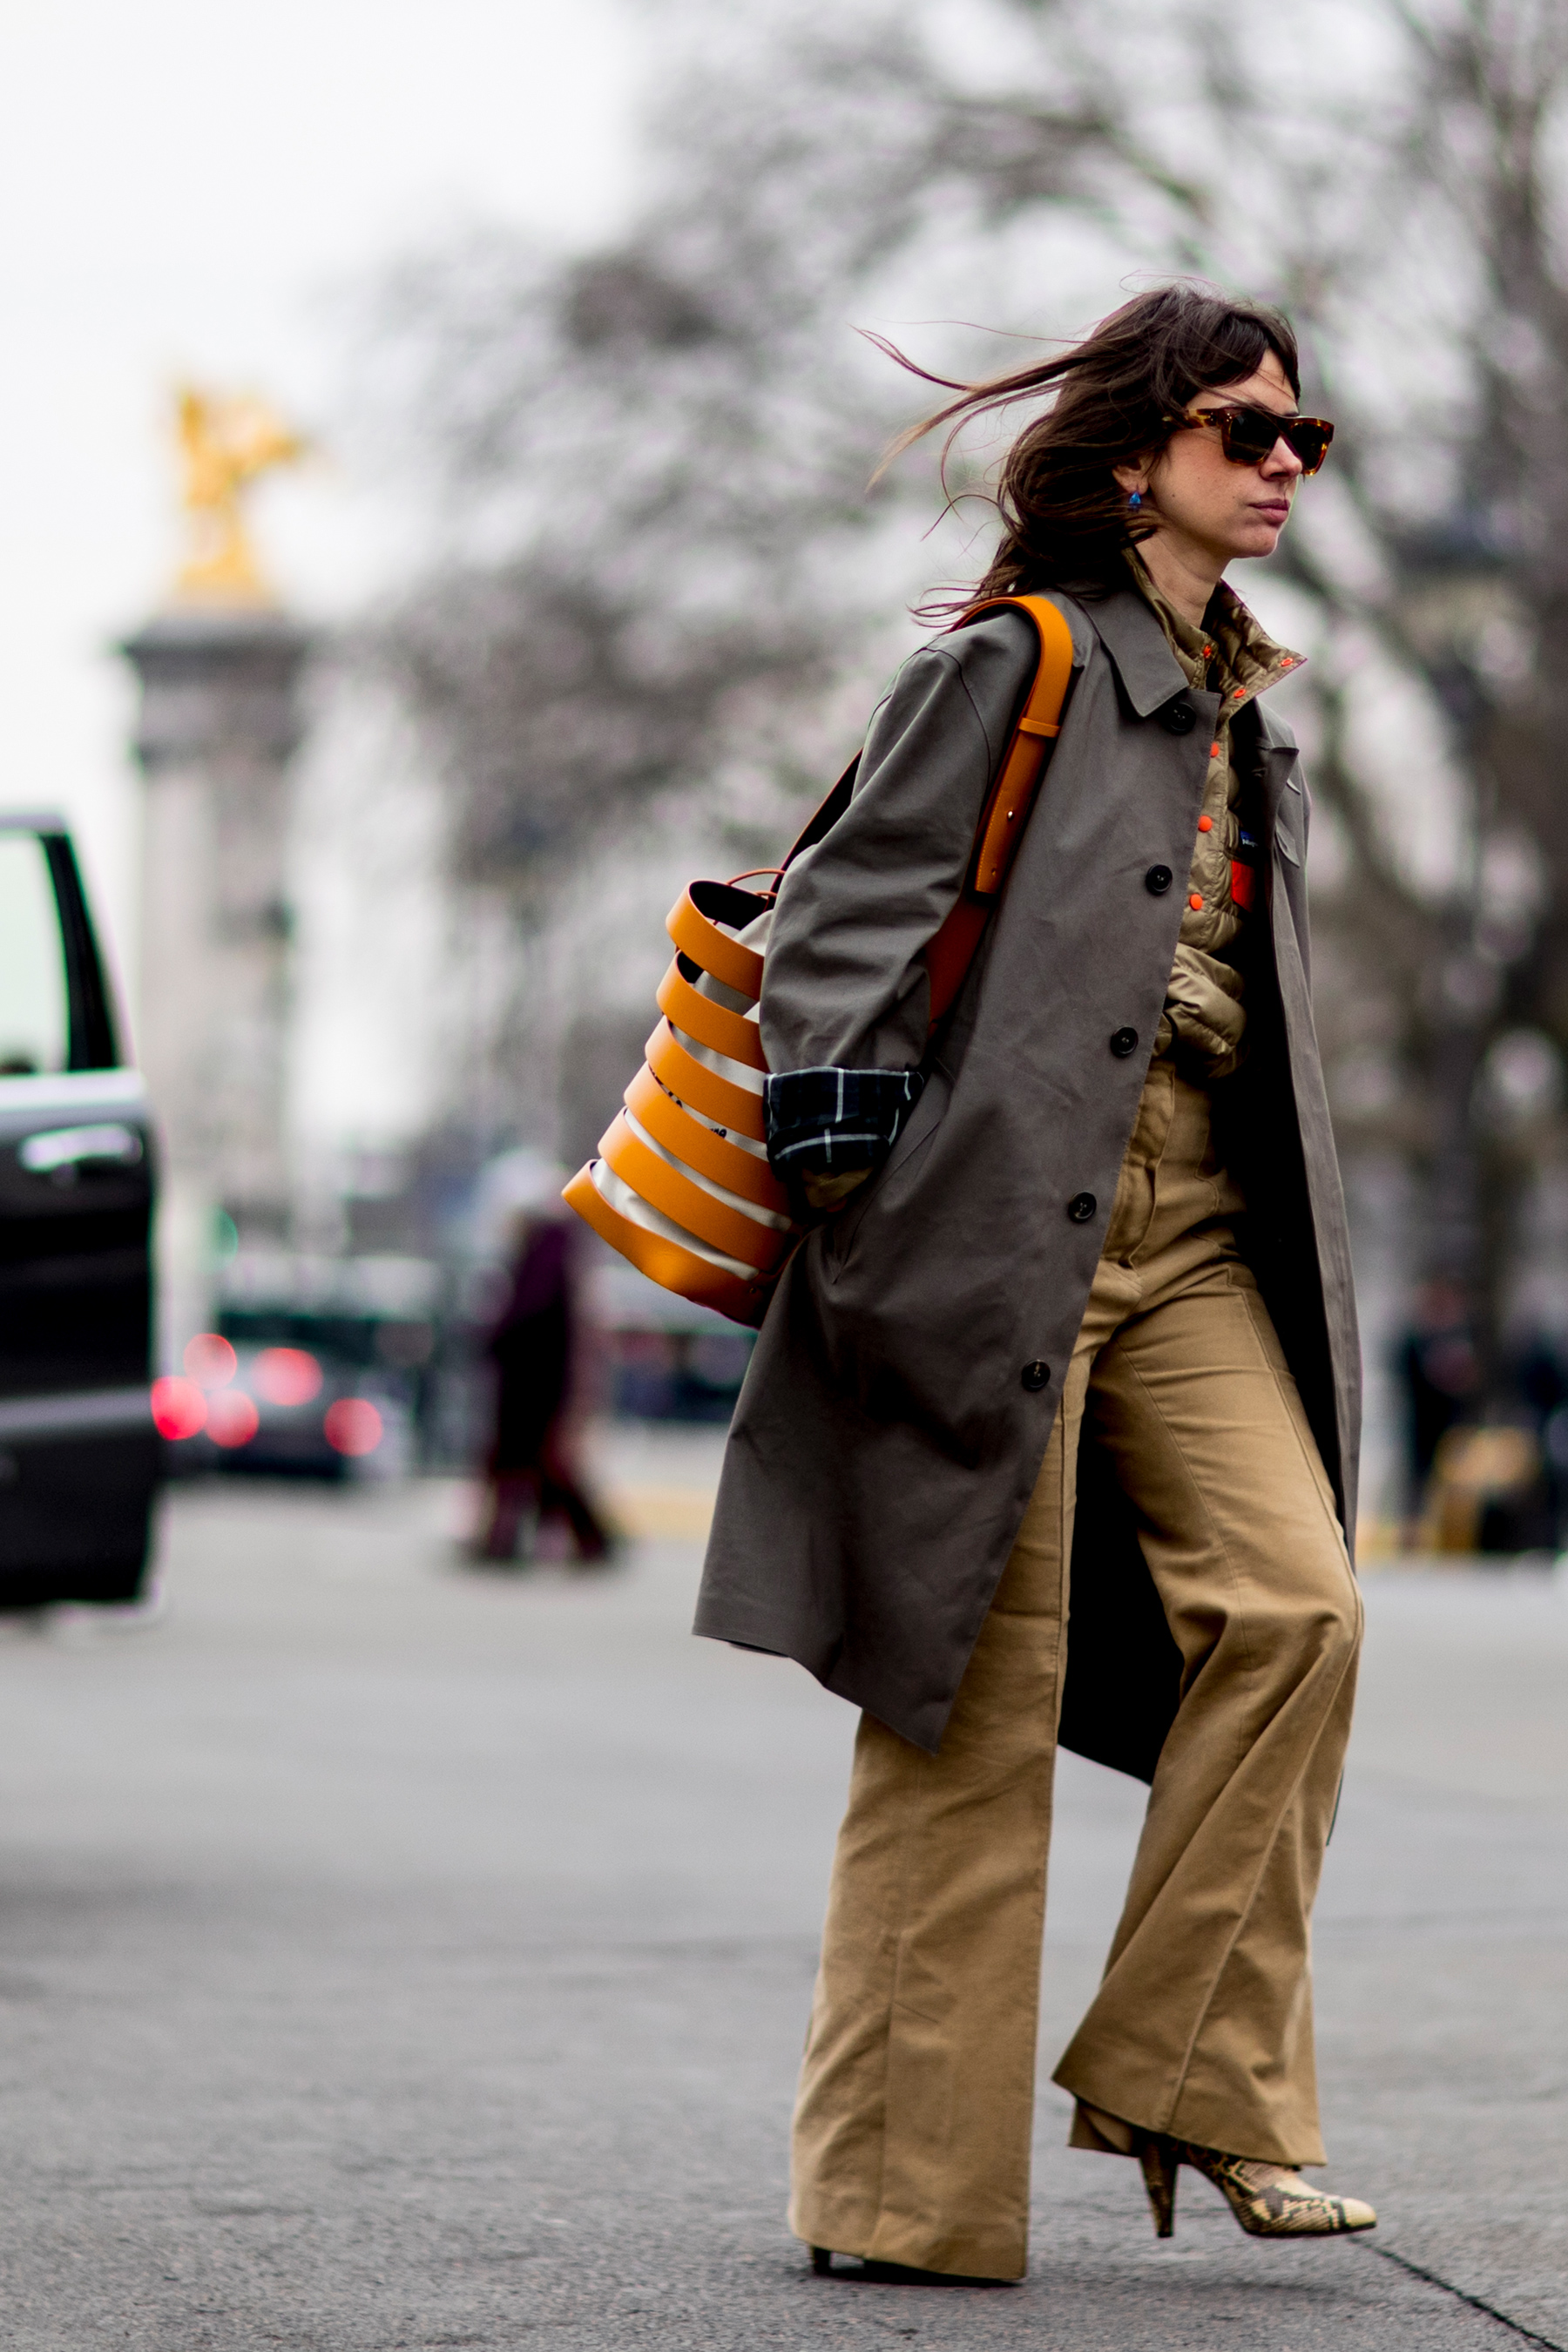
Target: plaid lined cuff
x,y
831,1123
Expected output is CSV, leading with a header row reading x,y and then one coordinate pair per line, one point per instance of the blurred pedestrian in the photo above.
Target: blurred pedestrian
x,y
1440,1373
1103,1214
536,1347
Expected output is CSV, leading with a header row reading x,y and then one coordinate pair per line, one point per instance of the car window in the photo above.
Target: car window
x,y
35,1018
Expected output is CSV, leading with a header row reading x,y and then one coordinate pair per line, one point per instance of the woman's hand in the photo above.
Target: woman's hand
x,y
825,1195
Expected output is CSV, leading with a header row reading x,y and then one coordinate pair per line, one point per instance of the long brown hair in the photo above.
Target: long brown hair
x,y
1065,520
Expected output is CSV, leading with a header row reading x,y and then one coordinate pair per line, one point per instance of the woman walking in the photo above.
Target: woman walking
x,y
1074,1325
536,1346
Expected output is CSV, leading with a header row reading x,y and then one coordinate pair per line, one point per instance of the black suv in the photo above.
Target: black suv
x,y
79,1453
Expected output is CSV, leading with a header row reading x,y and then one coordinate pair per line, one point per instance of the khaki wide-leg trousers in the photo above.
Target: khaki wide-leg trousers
x,y
913,2122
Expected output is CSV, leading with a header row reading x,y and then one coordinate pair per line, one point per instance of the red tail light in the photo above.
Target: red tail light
x,y
286,1376
210,1361
232,1419
179,1408
352,1425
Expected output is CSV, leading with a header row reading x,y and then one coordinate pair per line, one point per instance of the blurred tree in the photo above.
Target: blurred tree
x,y
657,555
651,462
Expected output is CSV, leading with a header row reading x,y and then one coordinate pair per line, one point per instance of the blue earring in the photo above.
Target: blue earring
x,y
1134,500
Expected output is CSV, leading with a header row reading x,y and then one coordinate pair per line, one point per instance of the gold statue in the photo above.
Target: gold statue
x,y
225,444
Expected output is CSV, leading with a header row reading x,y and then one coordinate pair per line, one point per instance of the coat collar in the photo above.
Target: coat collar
x,y
1278,739
1278,756
1130,631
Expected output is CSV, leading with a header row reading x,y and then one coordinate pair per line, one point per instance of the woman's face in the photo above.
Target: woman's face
x,y
1192,492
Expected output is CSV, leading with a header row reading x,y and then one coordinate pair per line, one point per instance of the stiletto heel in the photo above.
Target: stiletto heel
x,y
1159,2159
822,2261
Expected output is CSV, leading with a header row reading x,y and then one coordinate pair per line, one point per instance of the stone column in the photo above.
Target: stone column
x,y
219,725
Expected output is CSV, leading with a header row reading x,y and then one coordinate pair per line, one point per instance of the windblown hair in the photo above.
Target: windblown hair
x,y
1065,519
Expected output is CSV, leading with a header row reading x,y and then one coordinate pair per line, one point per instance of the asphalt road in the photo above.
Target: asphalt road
x,y
398,1955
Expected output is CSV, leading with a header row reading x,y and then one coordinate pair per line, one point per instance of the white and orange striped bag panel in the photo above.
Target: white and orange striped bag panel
x,y
682,1185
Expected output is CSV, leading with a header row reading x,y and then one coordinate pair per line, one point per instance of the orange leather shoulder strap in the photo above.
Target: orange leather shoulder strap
x,y
1010,798
1011,795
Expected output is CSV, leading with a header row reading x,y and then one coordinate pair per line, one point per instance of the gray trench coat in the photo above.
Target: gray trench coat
x,y
887,1439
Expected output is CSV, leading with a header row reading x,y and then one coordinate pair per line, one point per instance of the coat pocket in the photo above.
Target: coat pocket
x,y
894,1179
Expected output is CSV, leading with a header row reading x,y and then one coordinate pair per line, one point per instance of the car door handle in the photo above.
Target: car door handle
x,y
62,1149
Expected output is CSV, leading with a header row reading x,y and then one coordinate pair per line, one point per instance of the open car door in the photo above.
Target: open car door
x,y
79,1454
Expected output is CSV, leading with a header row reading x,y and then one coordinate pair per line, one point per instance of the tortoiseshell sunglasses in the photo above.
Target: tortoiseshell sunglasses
x,y
1247,435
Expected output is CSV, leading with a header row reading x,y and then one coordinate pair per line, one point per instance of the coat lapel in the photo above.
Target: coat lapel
x,y
1278,754
1126,625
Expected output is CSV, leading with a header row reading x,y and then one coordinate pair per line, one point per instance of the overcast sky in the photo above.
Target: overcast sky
x,y
182,188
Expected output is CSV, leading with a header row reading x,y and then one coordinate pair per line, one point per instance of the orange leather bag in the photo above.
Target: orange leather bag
x,y
682,1187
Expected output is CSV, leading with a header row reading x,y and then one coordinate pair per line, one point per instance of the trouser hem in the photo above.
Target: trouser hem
x,y
918,2246
1245,2136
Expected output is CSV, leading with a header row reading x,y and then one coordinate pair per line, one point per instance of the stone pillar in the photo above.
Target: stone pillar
x,y
219,722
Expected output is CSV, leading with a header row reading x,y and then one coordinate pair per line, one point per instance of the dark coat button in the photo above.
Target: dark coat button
x,y
1081,1207
1158,880
1178,717
1123,1042
1035,1376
